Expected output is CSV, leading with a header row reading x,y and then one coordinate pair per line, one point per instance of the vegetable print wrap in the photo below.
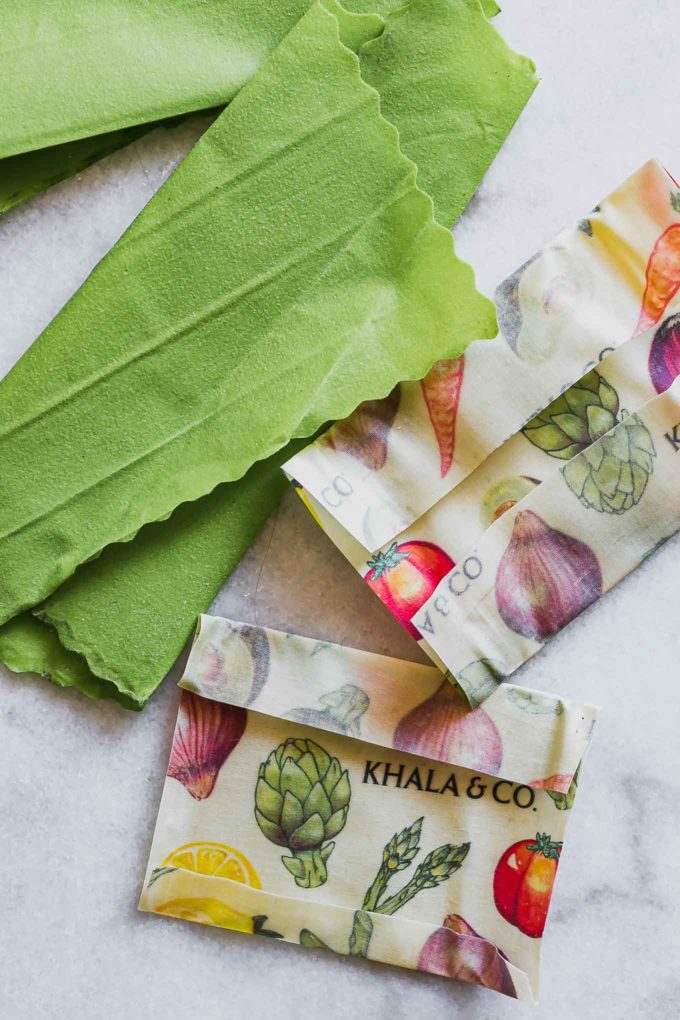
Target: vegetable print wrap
x,y
582,380
349,801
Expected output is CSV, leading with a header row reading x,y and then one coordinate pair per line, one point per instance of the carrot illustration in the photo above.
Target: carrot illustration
x,y
441,389
662,278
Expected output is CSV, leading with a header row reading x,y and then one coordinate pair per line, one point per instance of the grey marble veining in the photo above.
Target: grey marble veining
x,y
81,780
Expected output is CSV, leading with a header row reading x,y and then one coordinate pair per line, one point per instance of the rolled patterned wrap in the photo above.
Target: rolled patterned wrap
x,y
587,483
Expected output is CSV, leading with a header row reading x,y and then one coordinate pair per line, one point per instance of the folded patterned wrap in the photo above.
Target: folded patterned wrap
x,y
340,799
490,504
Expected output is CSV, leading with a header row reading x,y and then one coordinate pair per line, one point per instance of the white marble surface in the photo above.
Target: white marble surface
x,y
81,781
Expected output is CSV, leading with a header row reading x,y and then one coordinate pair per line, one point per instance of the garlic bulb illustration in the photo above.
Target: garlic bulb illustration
x,y
508,304
545,578
456,951
446,728
238,662
205,735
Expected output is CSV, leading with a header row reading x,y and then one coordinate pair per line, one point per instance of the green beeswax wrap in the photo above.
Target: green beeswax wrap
x,y
29,646
92,94
116,627
295,217
344,800
71,70
103,642
29,173
151,587
411,488
447,79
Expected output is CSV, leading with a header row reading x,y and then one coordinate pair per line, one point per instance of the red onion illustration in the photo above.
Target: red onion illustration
x,y
664,354
456,951
444,727
364,434
545,578
205,735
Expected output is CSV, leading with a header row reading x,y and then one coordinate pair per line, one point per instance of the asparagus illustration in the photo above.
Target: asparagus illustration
x,y
565,801
398,854
610,476
302,800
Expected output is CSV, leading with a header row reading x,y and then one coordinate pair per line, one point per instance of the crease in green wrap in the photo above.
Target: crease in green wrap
x,y
156,582
93,611
289,269
83,105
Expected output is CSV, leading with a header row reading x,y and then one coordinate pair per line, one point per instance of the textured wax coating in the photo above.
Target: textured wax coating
x,y
452,122
146,399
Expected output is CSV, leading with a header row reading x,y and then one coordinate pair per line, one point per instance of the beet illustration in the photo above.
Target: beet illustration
x,y
664,354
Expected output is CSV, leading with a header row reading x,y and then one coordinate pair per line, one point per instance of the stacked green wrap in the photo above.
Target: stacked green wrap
x,y
289,269
81,80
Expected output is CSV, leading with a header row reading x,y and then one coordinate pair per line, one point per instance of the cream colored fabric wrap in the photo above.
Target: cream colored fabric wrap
x,y
412,490
433,796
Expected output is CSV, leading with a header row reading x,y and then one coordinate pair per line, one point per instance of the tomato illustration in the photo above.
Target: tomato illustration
x,y
523,883
405,576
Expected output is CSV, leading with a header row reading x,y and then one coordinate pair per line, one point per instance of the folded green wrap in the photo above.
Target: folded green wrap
x,y
184,333
131,610
80,80
289,269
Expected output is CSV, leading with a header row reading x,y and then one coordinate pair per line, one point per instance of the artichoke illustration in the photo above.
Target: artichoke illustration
x,y
610,476
579,416
302,799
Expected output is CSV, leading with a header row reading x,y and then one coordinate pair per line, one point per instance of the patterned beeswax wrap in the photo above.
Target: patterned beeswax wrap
x,y
485,546
340,799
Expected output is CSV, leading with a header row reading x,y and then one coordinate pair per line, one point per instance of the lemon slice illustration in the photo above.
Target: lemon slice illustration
x,y
214,859
204,910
